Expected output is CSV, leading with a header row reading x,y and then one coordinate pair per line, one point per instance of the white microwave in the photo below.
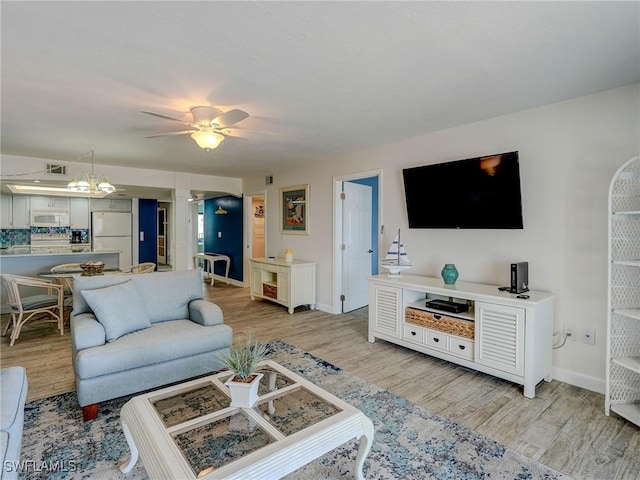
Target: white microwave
x,y
50,219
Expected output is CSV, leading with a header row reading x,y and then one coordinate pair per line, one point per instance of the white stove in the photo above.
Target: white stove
x,y
50,243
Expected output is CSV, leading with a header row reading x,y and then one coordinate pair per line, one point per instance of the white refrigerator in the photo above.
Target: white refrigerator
x,y
112,231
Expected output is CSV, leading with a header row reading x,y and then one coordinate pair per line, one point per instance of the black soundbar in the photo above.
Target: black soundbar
x,y
447,306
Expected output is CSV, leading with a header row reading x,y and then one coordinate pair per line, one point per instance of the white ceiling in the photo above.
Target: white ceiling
x,y
317,78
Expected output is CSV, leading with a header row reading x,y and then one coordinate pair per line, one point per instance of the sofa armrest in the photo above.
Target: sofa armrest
x,y
205,313
87,331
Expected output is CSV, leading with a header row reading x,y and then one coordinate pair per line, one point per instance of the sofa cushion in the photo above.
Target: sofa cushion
x,y
81,284
118,308
166,295
161,342
39,301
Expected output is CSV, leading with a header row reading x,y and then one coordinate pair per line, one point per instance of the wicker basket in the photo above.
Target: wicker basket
x,y
443,323
270,291
92,268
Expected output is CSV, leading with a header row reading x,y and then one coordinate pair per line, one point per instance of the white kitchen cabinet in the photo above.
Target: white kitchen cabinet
x,y
14,212
79,213
499,334
21,211
52,204
288,283
5,211
622,393
110,205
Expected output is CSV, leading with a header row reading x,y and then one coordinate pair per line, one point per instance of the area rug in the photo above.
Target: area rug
x,y
410,442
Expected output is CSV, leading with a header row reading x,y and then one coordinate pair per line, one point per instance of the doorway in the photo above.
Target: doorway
x,y
162,236
255,233
257,227
357,225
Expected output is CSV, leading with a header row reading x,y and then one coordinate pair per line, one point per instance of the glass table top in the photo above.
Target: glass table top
x,y
209,433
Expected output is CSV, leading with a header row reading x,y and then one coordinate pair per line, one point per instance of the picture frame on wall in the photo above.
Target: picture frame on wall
x,y
294,210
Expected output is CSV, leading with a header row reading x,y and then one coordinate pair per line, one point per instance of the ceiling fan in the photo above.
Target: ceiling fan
x,y
209,127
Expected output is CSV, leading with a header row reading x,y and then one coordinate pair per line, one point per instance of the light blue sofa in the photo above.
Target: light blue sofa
x,y
13,395
131,333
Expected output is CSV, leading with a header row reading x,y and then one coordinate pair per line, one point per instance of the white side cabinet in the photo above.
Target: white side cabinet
x,y
498,334
622,394
288,283
79,212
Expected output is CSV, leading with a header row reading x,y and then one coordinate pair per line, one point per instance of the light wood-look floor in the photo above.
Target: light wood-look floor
x,y
563,427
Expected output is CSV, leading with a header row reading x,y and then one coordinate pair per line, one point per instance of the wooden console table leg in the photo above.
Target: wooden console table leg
x,y
365,445
126,466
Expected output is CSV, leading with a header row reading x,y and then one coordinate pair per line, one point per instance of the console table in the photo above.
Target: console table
x,y
208,260
288,283
499,334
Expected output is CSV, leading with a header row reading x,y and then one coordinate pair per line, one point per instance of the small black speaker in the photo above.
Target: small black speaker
x,y
519,277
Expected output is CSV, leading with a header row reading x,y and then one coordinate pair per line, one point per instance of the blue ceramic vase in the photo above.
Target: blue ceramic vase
x,y
449,274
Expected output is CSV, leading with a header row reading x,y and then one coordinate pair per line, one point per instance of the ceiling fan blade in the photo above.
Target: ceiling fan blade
x,y
240,132
170,118
183,132
229,118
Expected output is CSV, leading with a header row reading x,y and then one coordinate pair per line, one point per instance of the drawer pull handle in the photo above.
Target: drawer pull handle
x,y
461,347
413,333
437,317
435,339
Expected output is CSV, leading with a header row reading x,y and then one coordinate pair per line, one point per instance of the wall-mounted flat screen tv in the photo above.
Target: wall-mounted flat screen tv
x,y
481,192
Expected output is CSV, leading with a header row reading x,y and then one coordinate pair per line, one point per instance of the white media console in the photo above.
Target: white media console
x,y
500,334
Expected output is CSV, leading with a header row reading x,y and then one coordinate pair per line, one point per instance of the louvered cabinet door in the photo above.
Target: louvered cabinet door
x,y
500,337
385,312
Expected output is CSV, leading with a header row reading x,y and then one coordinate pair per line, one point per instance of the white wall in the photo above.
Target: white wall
x,y
568,154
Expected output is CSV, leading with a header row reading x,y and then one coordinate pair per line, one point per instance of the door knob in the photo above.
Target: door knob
x,y
369,251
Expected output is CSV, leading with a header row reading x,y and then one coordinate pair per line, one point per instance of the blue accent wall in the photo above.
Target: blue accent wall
x,y
373,183
148,223
229,226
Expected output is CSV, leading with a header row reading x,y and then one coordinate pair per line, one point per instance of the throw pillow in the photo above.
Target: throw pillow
x,y
118,308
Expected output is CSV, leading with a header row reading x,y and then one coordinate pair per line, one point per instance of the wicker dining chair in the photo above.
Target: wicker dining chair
x,y
25,308
146,267
66,282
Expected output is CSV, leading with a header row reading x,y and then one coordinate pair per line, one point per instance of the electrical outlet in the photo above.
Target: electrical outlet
x,y
589,336
570,332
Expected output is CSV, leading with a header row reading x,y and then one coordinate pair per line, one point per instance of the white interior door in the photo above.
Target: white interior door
x,y
356,238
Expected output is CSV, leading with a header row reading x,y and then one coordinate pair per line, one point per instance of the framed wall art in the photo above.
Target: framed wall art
x,y
294,210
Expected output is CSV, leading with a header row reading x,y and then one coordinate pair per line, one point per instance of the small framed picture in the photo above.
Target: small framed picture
x,y
294,210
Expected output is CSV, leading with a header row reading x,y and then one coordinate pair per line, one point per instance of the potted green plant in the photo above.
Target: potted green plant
x,y
242,359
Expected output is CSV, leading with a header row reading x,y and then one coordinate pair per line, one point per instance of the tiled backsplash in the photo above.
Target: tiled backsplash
x,y
14,236
22,236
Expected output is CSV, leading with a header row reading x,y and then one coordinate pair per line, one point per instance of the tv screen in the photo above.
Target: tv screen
x,y
481,192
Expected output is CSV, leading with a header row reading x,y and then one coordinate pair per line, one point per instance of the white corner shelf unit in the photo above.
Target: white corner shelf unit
x,y
499,334
622,394
288,283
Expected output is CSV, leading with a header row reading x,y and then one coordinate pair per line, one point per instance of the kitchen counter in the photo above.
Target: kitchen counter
x,y
30,264
3,253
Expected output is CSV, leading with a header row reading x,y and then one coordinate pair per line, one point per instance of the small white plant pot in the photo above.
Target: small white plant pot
x,y
244,395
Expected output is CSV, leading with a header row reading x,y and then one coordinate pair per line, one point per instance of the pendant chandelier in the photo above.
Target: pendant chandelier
x,y
90,182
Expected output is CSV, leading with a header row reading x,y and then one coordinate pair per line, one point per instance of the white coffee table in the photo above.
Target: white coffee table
x,y
189,431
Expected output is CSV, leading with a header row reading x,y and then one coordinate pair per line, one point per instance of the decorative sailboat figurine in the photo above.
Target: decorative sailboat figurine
x,y
397,259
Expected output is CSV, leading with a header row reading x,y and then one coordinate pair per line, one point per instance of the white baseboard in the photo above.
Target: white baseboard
x,y
579,380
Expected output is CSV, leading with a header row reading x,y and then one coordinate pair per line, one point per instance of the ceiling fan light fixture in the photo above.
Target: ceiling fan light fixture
x,y
207,139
